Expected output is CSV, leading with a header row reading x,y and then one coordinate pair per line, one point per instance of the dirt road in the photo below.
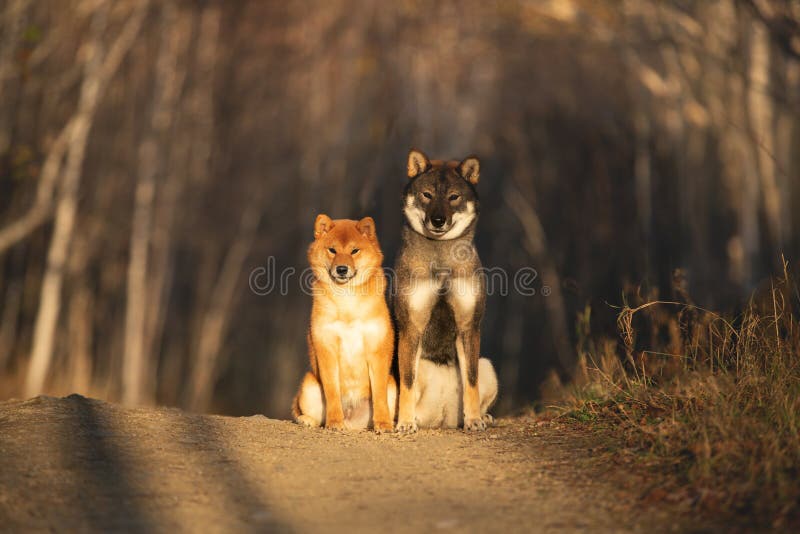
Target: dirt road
x,y
80,464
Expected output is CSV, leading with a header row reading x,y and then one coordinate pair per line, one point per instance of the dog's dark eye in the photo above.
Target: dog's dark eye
x,y
332,250
454,197
427,195
355,251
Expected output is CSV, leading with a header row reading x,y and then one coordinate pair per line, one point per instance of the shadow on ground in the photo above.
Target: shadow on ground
x,y
77,464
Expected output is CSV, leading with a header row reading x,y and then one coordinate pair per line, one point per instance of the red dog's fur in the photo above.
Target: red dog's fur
x,y
351,339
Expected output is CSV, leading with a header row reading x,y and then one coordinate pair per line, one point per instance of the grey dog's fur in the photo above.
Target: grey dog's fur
x,y
445,261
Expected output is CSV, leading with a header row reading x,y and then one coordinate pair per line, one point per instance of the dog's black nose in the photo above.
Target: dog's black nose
x,y
438,222
341,270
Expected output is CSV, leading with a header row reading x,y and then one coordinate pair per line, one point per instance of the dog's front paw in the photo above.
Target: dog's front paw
x,y
334,424
474,424
407,427
488,419
383,427
307,421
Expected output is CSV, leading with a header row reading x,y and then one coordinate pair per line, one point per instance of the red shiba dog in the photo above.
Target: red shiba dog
x,y
351,339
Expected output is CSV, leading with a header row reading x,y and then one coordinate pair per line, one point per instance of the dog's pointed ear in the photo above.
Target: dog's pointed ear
x,y
366,227
322,225
470,169
417,163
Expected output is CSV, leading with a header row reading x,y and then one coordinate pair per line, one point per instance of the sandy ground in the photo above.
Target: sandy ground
x,y
77,464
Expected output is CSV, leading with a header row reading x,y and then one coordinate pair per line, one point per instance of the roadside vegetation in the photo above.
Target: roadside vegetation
x,y
710,400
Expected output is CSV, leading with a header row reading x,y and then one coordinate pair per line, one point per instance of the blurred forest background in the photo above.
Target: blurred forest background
x,y
152,154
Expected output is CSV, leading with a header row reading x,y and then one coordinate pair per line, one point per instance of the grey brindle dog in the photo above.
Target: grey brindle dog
x,y
440,295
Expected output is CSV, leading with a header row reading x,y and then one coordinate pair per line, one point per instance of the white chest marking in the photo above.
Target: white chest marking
x,y
355,337
422,295
463,297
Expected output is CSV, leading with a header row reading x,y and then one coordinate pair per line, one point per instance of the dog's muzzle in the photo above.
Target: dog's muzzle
x,y
341,273
437,226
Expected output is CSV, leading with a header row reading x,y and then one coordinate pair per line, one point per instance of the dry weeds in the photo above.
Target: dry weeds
x,y
717,409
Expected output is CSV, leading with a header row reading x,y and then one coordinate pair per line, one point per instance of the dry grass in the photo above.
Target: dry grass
x,y
714,401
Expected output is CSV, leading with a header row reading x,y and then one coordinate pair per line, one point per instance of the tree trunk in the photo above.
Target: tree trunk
x,y
10,321
217,316
136,379
98,70
80,328
13,21
762,136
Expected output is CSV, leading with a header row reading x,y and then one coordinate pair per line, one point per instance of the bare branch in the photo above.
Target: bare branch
x,y
42,208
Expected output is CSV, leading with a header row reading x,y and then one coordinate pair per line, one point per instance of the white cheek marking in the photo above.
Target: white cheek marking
x,y
461,220
414,215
